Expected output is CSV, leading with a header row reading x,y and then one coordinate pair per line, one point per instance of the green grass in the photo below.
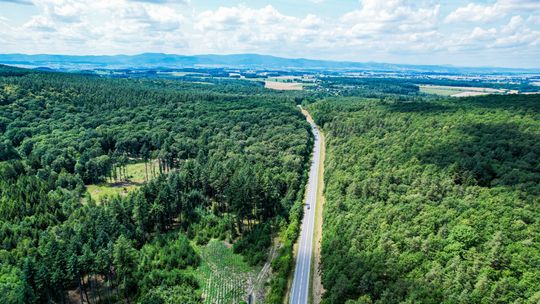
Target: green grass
x,y
448,90
224,276
135,173
443,91
97,192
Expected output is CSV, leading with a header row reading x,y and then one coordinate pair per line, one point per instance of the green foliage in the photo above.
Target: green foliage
x,y
169,254
224,275
217,161
370,87
253,244
431,202
282,265
124,263
11,285
171,295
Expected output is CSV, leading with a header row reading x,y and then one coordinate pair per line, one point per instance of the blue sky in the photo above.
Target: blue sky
x,y
458,32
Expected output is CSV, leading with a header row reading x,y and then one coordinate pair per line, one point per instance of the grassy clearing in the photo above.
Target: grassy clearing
x,y
224,276
97,192
136,176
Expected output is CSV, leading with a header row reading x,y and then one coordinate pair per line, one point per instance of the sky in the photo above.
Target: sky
x,y
503,33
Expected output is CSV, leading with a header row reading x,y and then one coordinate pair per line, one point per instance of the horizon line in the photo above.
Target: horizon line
x,y
274,56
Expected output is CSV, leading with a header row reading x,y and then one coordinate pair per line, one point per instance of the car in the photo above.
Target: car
x,y
307,206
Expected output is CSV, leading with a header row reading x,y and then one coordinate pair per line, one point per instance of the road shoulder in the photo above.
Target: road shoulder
x,y
316,285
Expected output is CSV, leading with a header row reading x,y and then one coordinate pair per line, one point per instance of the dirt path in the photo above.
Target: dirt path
x,y
257,290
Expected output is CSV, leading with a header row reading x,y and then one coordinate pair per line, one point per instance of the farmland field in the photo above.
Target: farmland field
x,y
283,86
458,91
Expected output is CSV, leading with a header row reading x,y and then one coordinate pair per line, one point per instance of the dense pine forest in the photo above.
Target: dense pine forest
x,y
227,161
431,200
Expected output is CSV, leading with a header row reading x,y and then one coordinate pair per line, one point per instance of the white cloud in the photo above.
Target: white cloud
x,y
480,34
517,33
242,28
41,24
24,2
487,12
374,29
393,26
533,19
475,12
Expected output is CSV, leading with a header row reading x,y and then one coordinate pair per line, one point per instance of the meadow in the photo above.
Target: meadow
x,y
136,174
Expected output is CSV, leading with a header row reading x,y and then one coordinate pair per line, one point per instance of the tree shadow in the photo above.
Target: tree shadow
x,y
491,155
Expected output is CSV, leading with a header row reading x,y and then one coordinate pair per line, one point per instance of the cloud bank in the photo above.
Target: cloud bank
x,y
396,30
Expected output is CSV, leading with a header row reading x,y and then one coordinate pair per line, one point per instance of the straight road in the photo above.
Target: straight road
x,y
300,288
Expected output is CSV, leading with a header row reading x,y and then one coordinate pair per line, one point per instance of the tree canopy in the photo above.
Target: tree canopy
x,y
231,160
431,201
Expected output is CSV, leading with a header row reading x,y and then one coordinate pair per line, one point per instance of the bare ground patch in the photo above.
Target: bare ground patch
x,y
283,86
469,94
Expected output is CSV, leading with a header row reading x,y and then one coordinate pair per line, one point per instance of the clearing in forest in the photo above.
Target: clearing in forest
x,y
132,177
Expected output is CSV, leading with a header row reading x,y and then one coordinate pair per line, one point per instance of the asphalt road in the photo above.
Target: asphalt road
x,y
300,287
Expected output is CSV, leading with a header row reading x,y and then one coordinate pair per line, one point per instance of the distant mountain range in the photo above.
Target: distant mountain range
x,y
249,61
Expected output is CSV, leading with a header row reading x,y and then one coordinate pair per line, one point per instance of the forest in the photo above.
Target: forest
x,y
428,199
229,160
431,200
